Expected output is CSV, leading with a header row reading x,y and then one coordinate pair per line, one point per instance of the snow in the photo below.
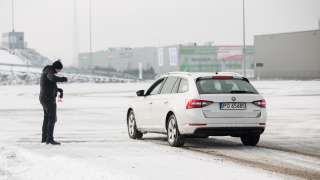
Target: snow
x,y
95,145
293,113
7,58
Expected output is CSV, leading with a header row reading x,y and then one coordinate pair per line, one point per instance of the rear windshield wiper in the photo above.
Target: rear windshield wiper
x,y
244,92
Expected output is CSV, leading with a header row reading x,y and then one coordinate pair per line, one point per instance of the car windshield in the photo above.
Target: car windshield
x,y
224,86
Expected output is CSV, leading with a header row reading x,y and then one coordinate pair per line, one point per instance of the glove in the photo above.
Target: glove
x,y
64,79
60,93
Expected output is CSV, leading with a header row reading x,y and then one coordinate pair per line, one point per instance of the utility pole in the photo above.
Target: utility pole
x,y
12,15
90,36
244,40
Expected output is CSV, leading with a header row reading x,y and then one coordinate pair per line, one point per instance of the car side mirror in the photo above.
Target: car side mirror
x,y
140,93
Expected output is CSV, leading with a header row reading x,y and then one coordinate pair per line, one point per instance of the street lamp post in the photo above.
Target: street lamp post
x,y
244,40
12,11
90,36
75,35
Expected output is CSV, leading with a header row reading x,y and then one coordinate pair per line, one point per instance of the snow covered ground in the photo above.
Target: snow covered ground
x,y
91,126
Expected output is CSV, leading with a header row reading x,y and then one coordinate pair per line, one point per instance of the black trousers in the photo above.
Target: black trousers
x,y
49,119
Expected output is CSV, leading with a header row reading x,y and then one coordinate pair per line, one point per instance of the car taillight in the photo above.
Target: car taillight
x,y
197,103
261,103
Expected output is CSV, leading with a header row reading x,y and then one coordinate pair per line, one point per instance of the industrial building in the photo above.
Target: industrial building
x,y
120,59
189,57
293,55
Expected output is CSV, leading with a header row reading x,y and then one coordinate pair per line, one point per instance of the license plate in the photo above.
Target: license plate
x,y
233,106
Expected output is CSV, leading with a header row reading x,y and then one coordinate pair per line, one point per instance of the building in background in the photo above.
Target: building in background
x,y
294,55
13,40
120,59
231,59
190,58
125,60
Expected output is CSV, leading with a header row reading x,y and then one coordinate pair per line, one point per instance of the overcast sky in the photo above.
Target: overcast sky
x,y
48,24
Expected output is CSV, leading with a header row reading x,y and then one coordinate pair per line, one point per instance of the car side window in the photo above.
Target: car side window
x,y
155,87
168,85
176,86
184,86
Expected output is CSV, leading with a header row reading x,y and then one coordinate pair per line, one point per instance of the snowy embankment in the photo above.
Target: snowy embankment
x,y
16,75
16,70
95,145
7,58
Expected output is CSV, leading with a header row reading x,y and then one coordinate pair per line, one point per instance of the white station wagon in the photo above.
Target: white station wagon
x,y
184,105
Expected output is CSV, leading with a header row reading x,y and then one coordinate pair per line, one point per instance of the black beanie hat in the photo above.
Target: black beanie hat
x,y
57,64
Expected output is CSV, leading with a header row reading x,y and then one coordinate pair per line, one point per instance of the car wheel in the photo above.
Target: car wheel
x,y
174,137
250,139
132,127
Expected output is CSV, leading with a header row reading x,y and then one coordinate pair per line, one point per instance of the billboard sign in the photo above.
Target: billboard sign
x,y
160,56
173,56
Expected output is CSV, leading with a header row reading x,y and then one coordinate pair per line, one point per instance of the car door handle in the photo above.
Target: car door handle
x,y
165,102
150,102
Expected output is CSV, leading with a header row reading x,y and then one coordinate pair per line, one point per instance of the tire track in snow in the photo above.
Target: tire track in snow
x,y
284,149
286,170
252,156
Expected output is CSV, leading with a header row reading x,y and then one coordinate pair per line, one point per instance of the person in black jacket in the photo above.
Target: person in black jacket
x,y
48,94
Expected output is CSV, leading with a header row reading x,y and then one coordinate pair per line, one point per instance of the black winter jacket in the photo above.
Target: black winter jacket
x,y
48,84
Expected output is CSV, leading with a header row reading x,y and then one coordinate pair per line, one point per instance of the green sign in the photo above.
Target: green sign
x,y
197,50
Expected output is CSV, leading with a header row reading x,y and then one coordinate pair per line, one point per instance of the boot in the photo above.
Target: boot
x,y
44,139
53,142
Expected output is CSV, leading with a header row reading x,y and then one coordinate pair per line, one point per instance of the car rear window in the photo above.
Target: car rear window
x,y
224,86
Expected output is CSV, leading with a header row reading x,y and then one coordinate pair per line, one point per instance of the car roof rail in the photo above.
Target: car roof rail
x,y
178,72
202,73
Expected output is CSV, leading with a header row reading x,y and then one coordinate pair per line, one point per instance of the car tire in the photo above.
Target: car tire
x,y
250,139
174,137
132,127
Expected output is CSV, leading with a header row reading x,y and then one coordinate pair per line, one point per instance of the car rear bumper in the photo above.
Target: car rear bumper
x,y
227,131
223,130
